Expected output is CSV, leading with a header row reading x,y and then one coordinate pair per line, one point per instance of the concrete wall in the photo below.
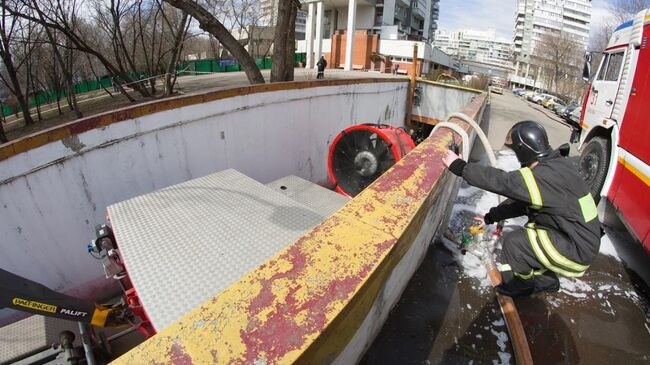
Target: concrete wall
x,y
438,100
54,193
365,17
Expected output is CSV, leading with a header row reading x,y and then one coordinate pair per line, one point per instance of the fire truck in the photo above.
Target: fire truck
x,y
614,133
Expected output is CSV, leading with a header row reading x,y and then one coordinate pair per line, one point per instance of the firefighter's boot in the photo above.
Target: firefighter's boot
x,y
514,286
548,282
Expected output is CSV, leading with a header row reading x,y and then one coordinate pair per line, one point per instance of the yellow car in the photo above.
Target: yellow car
x,y
551,101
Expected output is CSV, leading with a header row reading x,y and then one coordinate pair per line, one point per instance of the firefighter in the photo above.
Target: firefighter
x,y
562,236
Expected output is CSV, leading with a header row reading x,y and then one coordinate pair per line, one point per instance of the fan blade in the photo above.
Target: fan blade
x,y
364,141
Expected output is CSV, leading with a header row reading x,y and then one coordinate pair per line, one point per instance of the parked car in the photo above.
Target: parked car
x,y
539,98
529,95
574,118
550,102
518,92
559,110
496,89
568,109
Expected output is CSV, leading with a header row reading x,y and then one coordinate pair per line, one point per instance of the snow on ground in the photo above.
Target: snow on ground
x,y
587,290
472,201
607,248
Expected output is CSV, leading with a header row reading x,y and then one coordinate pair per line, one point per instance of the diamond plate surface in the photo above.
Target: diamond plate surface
x,y
32,334
309,194
185,243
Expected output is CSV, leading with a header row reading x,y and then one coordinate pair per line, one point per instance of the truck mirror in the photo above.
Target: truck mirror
x,y
586,70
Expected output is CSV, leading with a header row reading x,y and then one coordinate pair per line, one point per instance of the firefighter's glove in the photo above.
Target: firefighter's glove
x,y
487,218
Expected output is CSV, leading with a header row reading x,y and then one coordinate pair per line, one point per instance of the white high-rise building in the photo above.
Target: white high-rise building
x,y
537,18
415,19
475,45
269,9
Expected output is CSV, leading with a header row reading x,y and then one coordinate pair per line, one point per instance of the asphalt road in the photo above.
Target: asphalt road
x,y
507,109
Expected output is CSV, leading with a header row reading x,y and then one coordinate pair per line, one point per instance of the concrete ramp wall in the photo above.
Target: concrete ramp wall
x,y
438,100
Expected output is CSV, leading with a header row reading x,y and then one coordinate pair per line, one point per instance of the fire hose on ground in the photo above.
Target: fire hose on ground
x,y
486,245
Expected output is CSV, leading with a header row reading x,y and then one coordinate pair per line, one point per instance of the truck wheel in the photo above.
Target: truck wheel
x,y
594,161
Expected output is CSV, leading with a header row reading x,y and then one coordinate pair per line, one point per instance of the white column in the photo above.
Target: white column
x,y
527,70
349,35
309,36
318,50
517,69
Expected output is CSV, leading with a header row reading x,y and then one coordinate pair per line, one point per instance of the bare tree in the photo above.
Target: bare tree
x,y
65,64
253,26
560,58
212,25
181,32
624,10
9,26
284,42
61,15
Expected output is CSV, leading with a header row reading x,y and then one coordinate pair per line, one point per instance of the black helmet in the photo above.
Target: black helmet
x,y
529,141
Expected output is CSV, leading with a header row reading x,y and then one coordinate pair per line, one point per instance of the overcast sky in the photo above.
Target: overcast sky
x,y
498,14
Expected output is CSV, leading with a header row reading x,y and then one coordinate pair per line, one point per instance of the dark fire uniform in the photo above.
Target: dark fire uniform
x,y
563,231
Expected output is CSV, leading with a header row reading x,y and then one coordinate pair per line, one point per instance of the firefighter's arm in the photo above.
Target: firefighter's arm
x,y
25,295
509,208
509,184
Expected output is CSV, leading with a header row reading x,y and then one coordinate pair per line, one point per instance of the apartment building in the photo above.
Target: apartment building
x,y
475,45
269,10
537,18
414,19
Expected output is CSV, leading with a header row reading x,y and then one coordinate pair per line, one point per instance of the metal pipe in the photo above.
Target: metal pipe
x,y
84,330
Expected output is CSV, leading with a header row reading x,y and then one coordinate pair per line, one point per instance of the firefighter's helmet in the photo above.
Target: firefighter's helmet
x,y
529,141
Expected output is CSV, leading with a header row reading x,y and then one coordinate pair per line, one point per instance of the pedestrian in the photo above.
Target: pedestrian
x,y
563,233
321,67
114,84
396,69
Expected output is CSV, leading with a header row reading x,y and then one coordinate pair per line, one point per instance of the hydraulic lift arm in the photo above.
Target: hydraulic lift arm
x,y
25,295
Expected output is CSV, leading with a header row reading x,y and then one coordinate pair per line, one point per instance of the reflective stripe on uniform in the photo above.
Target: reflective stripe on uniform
x,y
505,267
531,274
533,190
588,207
555,255
532,237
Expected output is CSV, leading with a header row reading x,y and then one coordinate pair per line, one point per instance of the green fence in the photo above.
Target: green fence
x,y
207,66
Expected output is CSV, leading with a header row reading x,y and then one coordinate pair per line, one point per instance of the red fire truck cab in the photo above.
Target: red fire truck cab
x,y
614,134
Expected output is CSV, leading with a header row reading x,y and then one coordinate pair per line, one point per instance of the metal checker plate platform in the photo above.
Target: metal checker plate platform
x,y
312,195
185,243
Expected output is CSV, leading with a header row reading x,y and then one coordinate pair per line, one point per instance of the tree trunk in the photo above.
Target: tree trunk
x,y
210,24
291,43
15,88
176,51
284,41
3,136
66,64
